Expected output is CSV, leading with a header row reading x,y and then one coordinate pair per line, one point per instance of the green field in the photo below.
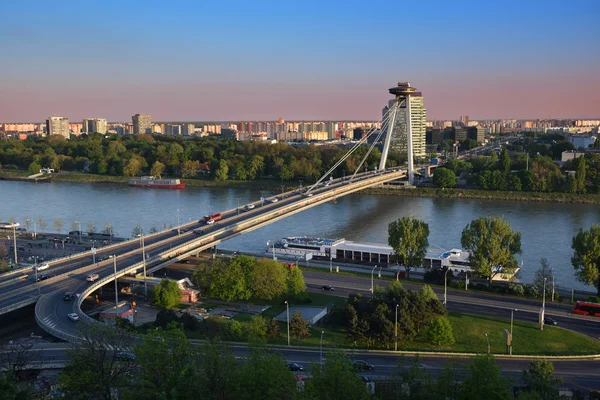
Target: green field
x,y
468,332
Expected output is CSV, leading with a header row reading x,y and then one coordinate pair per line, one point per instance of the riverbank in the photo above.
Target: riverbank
x,y
273,185
554,197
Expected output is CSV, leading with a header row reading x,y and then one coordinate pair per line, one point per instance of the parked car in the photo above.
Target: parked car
x,y
295,367
361,365
550,321
92,277
42,266
73,317
328,288
69,296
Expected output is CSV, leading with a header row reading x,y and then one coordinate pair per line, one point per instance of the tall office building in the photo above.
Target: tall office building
x,y
91,125
418,125
58,126
142,123
464,120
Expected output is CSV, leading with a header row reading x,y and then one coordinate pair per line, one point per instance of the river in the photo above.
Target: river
x,y
546,228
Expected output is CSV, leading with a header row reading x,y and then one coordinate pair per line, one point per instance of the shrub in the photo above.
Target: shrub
x,y
189,322
518,290
233,330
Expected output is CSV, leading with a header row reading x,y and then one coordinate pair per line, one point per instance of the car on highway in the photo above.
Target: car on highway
x,y
326,184
210,222
42,277
249,206
102,258
42,266
295,367
198,231
73,317
274,200
69,296
92,277
550,321
124,356
308,194
328,288
361,365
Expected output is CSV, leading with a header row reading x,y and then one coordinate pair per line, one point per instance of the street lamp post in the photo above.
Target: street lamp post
x,y
238,209
144,264
512,313
553,288
321,351
79,225
15,242
287,309
262,198
396,330
488,342
543,312
446,286
178,224
36,276
116,290
282,189
466,279
330,263
372,287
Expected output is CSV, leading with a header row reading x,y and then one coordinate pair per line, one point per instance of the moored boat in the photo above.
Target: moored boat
x,y
154,182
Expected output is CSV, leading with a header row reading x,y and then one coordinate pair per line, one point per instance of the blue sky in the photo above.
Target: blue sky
x,y
200,60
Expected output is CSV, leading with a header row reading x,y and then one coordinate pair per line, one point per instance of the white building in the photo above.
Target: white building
x,y
58,126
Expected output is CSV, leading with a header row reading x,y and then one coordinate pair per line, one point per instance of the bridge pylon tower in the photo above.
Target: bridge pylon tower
x,y
402,94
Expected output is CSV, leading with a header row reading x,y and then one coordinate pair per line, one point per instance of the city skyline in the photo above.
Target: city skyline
x,y
253,62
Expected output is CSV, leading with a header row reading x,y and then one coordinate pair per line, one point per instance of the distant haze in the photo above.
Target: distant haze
x,y
307,60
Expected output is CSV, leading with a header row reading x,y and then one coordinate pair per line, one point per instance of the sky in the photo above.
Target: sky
x,y
302,60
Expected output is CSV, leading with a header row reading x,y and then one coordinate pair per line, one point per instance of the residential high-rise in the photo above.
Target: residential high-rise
x,y
142,123
464,120
418,126
188,129
94,125
58,126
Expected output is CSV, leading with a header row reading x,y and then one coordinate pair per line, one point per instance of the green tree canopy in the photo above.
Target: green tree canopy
x,y
409,239
295,281
298,326
444,177
157,169
268,279
586,256
540,381
336,380
440,333
492,244
167,294
484,381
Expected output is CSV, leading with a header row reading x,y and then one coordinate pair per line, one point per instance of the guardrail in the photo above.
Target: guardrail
x,y
54,332
18,305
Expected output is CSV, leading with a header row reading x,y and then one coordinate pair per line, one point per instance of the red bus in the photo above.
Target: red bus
x,y
215,217
585,308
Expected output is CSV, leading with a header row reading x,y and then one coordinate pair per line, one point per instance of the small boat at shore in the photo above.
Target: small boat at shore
x,y
154,182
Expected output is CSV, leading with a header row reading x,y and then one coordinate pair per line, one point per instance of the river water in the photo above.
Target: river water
x,y
546,228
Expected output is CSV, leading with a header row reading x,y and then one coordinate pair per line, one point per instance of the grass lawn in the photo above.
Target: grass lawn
x,y
468,332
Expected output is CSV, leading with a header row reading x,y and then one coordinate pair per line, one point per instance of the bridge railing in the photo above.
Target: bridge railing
x,y
51,330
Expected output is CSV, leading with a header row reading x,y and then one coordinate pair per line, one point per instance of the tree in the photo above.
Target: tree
x,y
336,380
34,168
444,177
132,167
217,376
94,371
483,380
274,331
427,293
90,226
440,333
268,279
167,294
492,244
265,376
298,326
586,256
58,224
580,175
409,239
157,169
295,281
42,223
504,162
222,171
234,330
543,273
540,382
153,229
258,327
137,231
167,363
108,229
189,169
3,251
230,284
27,223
